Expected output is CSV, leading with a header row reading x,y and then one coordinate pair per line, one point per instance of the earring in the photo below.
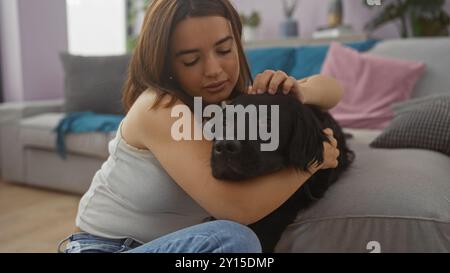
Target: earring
x,y
171,78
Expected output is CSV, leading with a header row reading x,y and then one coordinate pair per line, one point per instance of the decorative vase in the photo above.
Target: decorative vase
x,y
289,28
249,33
335,13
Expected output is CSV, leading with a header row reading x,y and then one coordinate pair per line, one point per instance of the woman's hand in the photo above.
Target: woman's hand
x,y
270,81
330,153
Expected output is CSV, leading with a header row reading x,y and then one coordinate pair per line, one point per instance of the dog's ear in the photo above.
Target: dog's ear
x,y
306,142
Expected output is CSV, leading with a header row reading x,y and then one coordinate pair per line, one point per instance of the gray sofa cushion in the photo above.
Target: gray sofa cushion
x,y
37,132
363,135
413,103
94,83
424,124
435,53
379,199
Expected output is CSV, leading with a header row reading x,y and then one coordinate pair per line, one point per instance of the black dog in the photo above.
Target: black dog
x,y
301,140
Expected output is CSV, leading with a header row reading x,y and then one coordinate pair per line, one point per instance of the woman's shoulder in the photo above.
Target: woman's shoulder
x,y
151,105
143,120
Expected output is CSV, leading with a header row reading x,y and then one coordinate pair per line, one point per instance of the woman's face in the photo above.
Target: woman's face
x,y
205,59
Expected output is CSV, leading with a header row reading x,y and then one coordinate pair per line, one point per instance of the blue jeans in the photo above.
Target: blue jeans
x,y
218,236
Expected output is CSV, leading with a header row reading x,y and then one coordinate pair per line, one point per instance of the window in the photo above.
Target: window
x,y
97,27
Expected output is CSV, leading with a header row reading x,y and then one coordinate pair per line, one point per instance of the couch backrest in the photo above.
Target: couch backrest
x,y
434,52
300,61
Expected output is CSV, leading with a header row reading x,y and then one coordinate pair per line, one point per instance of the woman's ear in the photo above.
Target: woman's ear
x,y
306,142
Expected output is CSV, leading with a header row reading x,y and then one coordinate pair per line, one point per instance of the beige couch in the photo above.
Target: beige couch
x,y
27,142
27,148
397,199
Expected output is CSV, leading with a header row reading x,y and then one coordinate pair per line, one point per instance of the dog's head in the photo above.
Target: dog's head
x,y
299,141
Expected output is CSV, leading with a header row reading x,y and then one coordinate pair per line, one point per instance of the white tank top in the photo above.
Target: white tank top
x,y
133,196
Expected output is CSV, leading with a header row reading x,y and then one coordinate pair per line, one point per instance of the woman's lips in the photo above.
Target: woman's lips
x,y
216,87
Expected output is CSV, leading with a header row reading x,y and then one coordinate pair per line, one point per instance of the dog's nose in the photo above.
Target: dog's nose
x,y
227,146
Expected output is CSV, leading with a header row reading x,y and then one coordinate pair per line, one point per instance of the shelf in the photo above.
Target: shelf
x,y
288,42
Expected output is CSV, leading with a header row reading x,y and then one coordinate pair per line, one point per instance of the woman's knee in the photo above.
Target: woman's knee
x,y
235,237
219,236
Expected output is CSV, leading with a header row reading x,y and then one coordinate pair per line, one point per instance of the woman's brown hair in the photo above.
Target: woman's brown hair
x,y
150,63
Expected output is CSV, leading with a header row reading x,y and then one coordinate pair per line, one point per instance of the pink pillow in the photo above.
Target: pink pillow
x,y
371,85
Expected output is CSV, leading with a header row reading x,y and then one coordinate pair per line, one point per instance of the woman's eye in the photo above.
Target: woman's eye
x,y
221,52
190,63
225,52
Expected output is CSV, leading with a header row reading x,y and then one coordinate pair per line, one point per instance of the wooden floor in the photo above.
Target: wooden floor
x,y
34,220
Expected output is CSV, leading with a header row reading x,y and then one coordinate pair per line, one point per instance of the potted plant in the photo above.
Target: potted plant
x,y
135,12
417,18
289,28
250,24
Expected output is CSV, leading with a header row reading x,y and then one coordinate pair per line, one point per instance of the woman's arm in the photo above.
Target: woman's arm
x,y
188,163
320,90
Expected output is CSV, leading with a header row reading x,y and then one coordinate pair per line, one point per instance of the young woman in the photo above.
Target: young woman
x,y
154,194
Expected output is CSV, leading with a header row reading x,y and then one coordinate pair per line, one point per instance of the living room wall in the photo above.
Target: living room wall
x,y
312,14
33,33
1,74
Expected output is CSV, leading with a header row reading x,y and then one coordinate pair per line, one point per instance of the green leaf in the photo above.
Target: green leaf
x,y
393,11
426,18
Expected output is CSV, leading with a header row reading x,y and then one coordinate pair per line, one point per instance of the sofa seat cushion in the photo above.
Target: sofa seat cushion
x,y
38,132
387,196
365,136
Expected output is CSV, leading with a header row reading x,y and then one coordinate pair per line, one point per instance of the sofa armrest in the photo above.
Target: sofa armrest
x,y
11,150
14,111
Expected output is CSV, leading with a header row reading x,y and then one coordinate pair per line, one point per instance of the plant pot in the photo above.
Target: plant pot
x,y
289,28
249,33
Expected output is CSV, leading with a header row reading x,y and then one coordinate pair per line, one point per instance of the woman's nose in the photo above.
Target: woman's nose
x,y
213,67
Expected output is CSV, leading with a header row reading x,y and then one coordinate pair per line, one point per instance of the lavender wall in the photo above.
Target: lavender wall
x,y
44,35
312,14
11,57
1,74
33,34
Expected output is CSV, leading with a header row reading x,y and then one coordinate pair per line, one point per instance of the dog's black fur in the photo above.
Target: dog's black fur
x,y
301,142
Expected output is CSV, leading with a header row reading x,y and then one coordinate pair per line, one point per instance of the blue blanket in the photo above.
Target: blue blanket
x,y
84,122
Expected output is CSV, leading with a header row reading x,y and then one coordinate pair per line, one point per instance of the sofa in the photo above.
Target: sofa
x,y
391,200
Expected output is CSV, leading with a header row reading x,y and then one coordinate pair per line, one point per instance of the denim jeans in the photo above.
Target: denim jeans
x,y
220,236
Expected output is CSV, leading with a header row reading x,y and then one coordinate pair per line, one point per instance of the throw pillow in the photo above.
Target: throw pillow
x,y
94,83
412,103
310,59
423,124
276,58
371,85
